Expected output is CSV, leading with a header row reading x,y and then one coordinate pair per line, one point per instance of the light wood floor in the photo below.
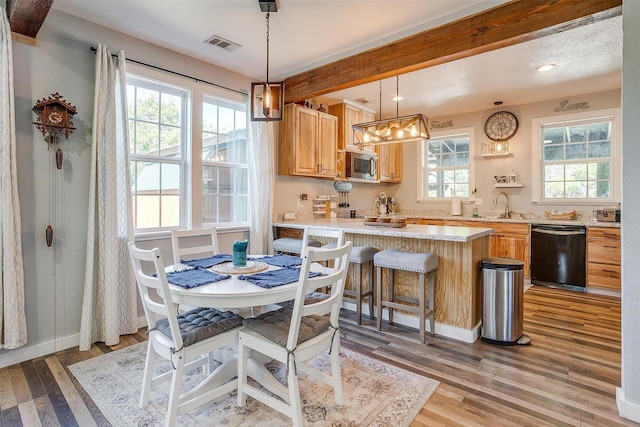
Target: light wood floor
x,y
566,377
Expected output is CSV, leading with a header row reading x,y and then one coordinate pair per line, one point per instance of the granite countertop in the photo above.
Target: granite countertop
x,y
357,226
522,220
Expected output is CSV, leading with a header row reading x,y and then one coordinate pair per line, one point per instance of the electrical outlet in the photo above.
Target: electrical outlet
x,y
478,202
299,202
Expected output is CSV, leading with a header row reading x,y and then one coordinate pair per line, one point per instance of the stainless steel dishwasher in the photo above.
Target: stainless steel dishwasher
x,y
558,256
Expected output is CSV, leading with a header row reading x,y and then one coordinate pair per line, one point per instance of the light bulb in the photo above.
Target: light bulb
x,y
414,131
499,147
266,100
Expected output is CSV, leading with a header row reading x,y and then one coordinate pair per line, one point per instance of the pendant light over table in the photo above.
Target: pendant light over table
x,y
267,98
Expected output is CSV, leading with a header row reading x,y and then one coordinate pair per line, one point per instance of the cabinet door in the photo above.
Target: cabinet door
x,y
306,160
328,145
366,116
351,117
453,223
390,162
514,246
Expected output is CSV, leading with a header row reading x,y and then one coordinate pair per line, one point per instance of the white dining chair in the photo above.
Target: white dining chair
x,y
197,243
295,334
181,339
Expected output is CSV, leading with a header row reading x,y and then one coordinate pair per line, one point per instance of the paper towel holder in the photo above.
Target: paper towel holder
x,y
456,207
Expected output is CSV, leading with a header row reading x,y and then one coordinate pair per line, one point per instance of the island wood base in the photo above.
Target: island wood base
x,y
458,286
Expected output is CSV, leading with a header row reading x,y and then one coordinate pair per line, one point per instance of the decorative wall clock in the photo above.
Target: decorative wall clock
x,y
501,126
54,118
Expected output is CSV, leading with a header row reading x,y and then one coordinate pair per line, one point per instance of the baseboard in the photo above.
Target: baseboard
x,y
626,409
22,354
460,334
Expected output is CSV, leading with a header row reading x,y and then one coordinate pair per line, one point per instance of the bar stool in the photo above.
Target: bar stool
x,y
361,256
421,263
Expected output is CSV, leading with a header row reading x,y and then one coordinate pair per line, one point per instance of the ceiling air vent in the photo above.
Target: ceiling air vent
x,y
363,101
223,43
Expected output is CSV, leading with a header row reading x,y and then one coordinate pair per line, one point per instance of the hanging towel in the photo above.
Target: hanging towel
x,y
280,260
208,262
193,278
273,278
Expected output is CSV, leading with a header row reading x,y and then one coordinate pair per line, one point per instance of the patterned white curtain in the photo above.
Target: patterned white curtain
x,y
261,178
109,303
13,321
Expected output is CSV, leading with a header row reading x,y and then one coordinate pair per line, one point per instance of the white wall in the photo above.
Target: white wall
x,y
628,395
63,63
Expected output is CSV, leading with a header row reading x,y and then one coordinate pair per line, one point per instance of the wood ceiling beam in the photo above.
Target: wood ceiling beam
x,y
505,25
27,16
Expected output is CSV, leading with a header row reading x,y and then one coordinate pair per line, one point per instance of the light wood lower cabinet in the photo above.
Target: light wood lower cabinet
x,y
308,143
508,240
603,258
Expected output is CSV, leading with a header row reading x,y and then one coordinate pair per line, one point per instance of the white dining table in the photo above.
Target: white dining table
x,y
233,292
236,294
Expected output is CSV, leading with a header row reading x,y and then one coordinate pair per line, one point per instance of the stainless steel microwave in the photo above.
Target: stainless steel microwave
x,y
362,165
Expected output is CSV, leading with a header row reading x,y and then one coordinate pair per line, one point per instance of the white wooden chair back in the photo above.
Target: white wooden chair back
x,y
334,277
191,244
154,310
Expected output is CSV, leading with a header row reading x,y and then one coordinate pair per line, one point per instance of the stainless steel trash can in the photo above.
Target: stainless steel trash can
x,y
503,301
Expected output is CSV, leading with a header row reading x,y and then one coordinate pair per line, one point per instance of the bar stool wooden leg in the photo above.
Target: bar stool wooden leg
x,y
391,294
370,287
432,306
358,289
379,298
421,305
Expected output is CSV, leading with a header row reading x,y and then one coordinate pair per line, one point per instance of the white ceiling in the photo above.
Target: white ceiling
x,y
308,33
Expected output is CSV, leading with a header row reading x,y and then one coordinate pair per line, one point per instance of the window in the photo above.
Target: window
x,y
577,158
446,167
157,136
187,169
225,196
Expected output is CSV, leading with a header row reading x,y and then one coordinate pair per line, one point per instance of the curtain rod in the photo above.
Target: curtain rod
x,y
94,50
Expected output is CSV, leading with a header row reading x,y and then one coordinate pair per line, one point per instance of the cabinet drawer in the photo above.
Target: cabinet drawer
x,y
605,251
431,222
603,233
500,227
603,275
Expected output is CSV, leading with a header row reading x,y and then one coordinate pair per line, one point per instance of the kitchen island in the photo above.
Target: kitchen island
x,y
458,279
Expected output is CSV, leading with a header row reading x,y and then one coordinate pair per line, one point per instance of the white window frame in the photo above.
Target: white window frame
x,y
182,162
191,206
422,168
612,114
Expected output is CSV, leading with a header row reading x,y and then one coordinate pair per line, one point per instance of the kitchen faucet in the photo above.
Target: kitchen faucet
x,y
507,211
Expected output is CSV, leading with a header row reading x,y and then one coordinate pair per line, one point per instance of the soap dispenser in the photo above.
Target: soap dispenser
x,y
512,178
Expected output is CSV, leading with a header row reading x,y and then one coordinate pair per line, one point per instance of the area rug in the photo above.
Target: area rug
x,y
376,394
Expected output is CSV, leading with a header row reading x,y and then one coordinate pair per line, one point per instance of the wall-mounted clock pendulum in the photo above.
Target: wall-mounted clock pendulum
x,y
53,119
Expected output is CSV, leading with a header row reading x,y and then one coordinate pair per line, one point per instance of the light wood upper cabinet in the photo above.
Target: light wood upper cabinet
x,y
390,162
349,114
308,143
603,258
